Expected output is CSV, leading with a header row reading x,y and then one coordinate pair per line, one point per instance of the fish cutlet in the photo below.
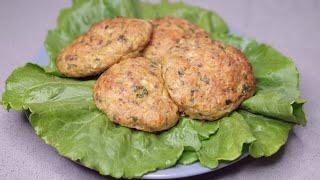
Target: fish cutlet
x,y
106,43
207,79
132,94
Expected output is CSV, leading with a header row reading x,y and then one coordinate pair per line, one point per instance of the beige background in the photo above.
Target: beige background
x,y
291,26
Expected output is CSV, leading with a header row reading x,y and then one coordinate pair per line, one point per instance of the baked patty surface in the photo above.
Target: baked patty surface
x,y
167,31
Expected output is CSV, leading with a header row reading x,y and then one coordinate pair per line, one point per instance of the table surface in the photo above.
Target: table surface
x,y
291,26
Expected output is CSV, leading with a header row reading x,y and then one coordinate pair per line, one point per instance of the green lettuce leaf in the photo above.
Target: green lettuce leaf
x,y
277,81
265,137
76,20
270,134
227,143
63,114
188,157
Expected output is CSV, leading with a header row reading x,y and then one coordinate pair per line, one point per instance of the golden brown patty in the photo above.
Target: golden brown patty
x,y
132,94
207,79
106,43
167,32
